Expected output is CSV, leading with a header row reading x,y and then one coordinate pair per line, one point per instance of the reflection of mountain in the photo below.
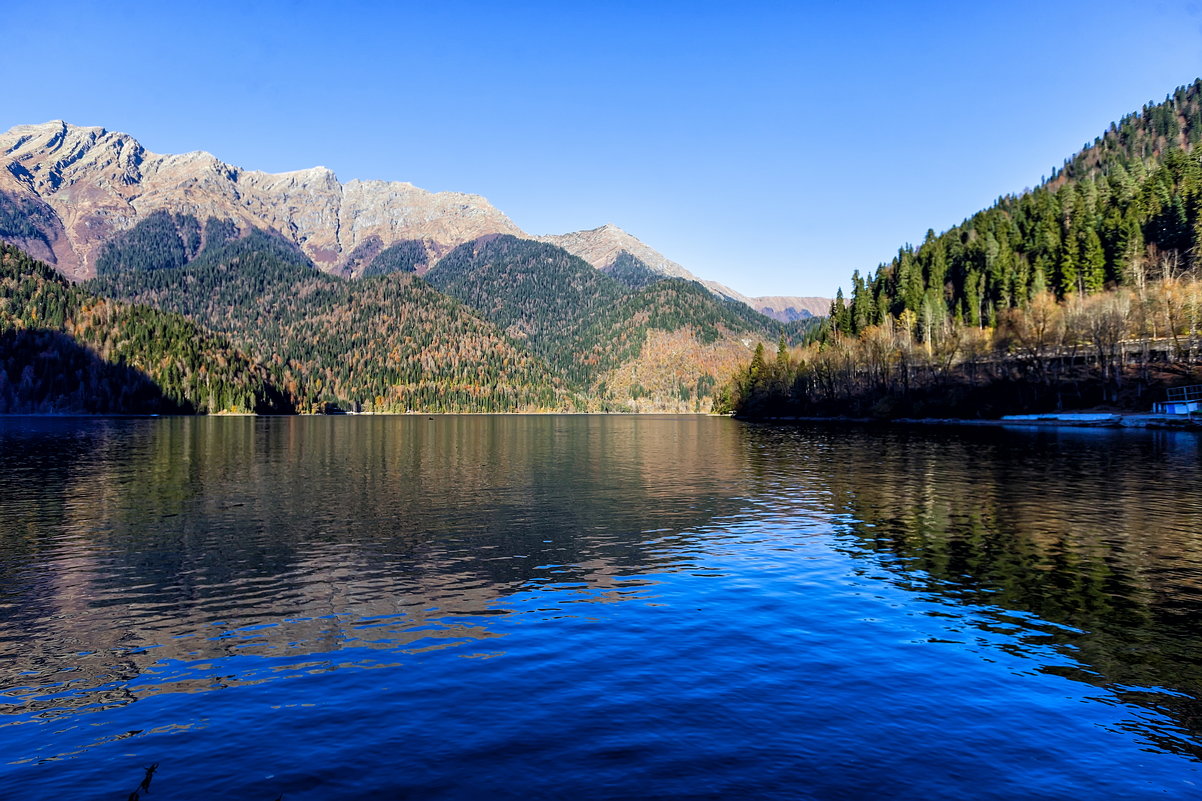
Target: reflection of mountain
x,y
293,536
1094,532
143,557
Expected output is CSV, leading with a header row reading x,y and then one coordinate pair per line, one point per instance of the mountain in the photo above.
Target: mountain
x,y
537,293
790,309
499,324
389,343
66,190
604,247
371,295
670,340
1085,290
631,272
589,324
65,350
1125,210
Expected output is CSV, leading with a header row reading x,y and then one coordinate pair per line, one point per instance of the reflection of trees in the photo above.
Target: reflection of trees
x,y
368,533
1094,531
309,541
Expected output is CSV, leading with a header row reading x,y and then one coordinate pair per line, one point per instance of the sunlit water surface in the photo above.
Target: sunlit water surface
x,y
595,608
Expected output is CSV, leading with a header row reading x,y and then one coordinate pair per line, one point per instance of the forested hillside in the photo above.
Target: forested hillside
x,y
1124,211
661,343
384,343
631,271
670,339
556,333
1051,281
535,292
64,350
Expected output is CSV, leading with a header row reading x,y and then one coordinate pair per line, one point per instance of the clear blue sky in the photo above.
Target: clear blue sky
x,y
772,146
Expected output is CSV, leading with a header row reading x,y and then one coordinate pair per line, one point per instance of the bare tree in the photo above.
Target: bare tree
x,y
1105,320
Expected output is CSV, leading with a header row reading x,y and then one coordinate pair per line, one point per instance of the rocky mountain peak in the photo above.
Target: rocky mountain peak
x,y
67,190
53,156
601,246
89,184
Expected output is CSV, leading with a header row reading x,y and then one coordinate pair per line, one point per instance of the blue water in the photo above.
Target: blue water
x,y
596,608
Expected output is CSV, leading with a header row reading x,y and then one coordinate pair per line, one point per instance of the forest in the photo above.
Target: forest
x,y
497,325
65,350
587,323
388,343
1080,292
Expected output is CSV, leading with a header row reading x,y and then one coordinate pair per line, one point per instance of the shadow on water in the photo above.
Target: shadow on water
x,y
1096,532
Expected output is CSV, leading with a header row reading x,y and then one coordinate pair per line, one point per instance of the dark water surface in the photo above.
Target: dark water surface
x,y
596,607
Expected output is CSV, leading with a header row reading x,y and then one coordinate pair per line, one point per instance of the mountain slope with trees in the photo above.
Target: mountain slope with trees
x,y
1066,295
1124,211
535,292
667,345
589,324
517,325
68,191
383,343
65,350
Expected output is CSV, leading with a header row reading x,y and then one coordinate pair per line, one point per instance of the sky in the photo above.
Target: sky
x,y
775,147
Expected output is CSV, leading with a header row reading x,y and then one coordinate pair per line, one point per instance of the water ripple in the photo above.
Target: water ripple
x,y
598,608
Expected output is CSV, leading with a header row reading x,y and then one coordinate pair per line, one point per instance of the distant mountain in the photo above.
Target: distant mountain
x,y
388,343
601,247
372,295
66,191
605,247
499,324
790,309
535,292
589,324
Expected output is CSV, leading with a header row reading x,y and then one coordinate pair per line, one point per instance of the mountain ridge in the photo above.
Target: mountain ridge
x,y
99,183
603,246
67,190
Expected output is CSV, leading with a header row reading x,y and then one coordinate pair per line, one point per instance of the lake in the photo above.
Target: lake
x,y
596,607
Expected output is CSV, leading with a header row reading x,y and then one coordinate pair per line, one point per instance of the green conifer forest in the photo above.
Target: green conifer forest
x,y
1079,292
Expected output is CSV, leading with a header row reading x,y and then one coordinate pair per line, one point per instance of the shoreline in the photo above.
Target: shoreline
x,y
1111,420
150,416
1107,420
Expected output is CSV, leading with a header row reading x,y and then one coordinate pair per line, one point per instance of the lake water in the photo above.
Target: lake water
x,y
596,608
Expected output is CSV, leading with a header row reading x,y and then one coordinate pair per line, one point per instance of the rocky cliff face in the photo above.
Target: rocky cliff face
x,y
66,190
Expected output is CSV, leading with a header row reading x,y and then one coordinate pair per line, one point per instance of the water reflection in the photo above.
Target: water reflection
x,y
1094,537
697,580
130,543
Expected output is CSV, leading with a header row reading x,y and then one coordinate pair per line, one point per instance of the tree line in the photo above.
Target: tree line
x,y
499,324
388,343
66,350
1124,212
1119,348
1043,289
